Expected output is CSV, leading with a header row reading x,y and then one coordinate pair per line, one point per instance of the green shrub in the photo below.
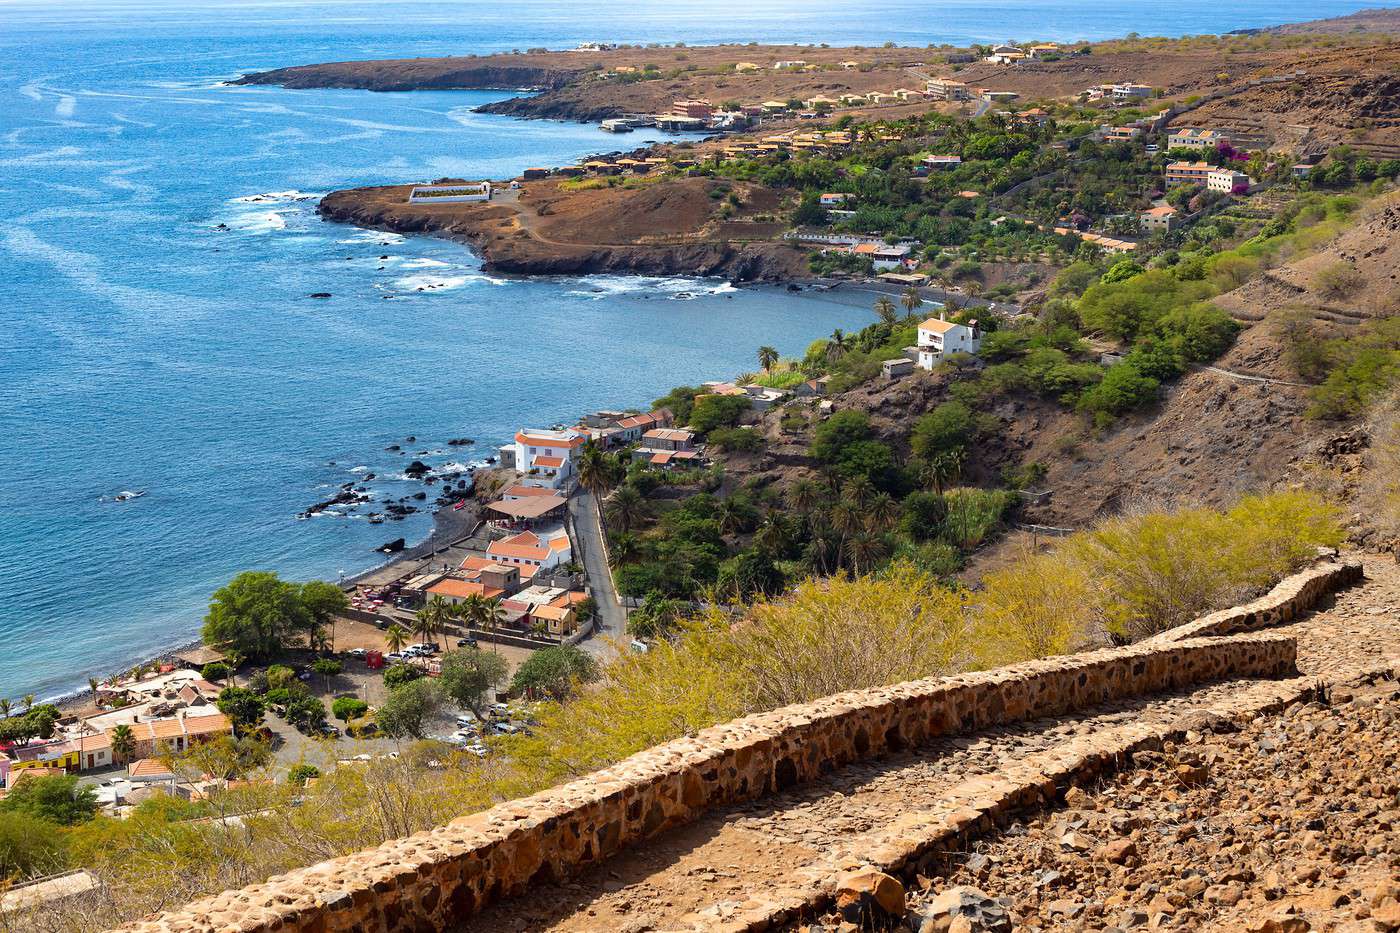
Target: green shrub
x,y
735,439
348,708
945,429
1122,389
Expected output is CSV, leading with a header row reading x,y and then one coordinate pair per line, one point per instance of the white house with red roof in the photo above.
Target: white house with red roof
x,y
938,337
532,551
546,458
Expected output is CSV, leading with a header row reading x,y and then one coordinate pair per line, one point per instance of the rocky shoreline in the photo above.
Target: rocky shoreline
x,y
369,208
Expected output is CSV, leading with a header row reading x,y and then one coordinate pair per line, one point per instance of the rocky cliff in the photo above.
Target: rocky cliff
x,y
464,73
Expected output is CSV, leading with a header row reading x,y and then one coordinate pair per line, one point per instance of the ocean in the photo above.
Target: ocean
x,y
159,247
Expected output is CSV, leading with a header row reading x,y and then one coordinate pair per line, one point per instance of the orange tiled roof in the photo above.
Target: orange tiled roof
x,y
552,462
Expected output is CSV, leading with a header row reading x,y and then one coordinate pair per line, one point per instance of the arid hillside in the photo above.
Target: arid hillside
x,y
1218,432
693,226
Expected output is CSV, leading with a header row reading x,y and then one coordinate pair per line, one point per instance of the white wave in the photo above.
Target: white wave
x,y
374,236
442,283
258,221
359,469
31,90
282,196
456,467
66,106
422,263
673,288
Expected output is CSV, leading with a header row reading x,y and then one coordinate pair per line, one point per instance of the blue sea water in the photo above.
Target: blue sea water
x,y
158,245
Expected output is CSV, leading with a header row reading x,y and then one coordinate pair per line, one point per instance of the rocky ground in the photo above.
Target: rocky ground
x,y
1289,825
698,876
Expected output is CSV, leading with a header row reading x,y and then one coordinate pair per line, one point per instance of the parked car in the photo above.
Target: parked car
x,y
466,642
504,728
395,656
476,749
466,721
357,652
330,732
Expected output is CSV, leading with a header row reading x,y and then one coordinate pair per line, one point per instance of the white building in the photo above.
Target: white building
x,y
531,552
1194,138
795,63
546,458
938,337
1225,180
450,194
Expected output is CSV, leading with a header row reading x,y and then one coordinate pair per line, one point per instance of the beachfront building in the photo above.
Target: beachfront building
x,y
546,458
450,194
938,338
883,256
1188,173
698,109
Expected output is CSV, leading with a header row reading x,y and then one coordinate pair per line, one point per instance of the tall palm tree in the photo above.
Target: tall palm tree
x,y
491,616
884,512
773,533
28,702
5,707
767,357
593,470
425,624
395,637
804,495
729,515
627,507
864,551
884,310
92,688
820,546
837,345
858,491
123,743
846,519
911,301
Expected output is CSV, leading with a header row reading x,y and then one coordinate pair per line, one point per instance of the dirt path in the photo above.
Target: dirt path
x,y
697,873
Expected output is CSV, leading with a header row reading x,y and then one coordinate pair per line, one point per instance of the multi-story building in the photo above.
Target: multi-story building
x,y
938,338
546,458
1193,138
1187,173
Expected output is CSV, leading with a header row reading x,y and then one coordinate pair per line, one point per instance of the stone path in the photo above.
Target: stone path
x,y
693,877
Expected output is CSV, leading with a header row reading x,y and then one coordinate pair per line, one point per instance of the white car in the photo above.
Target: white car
x,y
478,750
357,652
466,721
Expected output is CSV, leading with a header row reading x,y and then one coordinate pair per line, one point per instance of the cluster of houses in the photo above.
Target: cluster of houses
x,y
1124,92
165,714
1015,55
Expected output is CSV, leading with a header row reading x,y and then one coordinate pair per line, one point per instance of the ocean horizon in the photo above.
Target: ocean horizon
x,y
161,248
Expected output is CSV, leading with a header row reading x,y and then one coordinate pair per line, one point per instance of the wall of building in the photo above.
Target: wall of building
x,y
434,879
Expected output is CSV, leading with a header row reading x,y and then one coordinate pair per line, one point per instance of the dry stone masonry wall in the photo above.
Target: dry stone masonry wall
x,y
434,879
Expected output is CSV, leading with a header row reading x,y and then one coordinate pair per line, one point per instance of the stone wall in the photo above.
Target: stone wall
x,y
1281,605
434,879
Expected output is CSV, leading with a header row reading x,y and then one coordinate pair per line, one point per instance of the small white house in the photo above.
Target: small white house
x,y
938,338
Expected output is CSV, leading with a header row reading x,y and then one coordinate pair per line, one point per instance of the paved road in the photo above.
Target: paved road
x,y
612,618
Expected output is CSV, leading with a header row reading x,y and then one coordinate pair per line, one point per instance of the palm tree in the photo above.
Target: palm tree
x,y
846,519
819,549
395,637
28,702
884,512
627,507
772,535
123,743
804,495
884,310
767,357
622,548
491,615
92,688
593,470
425,623
911,301
942,469
858,491
730,516
5,707
864,551
837,345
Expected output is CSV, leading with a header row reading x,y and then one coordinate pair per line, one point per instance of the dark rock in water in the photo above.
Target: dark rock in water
x,y
461,484
221,227
460,442
792,287
392,547
385,256
420,496
410,439
369,476
490,459
417,469
320,294
348,496
393,447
